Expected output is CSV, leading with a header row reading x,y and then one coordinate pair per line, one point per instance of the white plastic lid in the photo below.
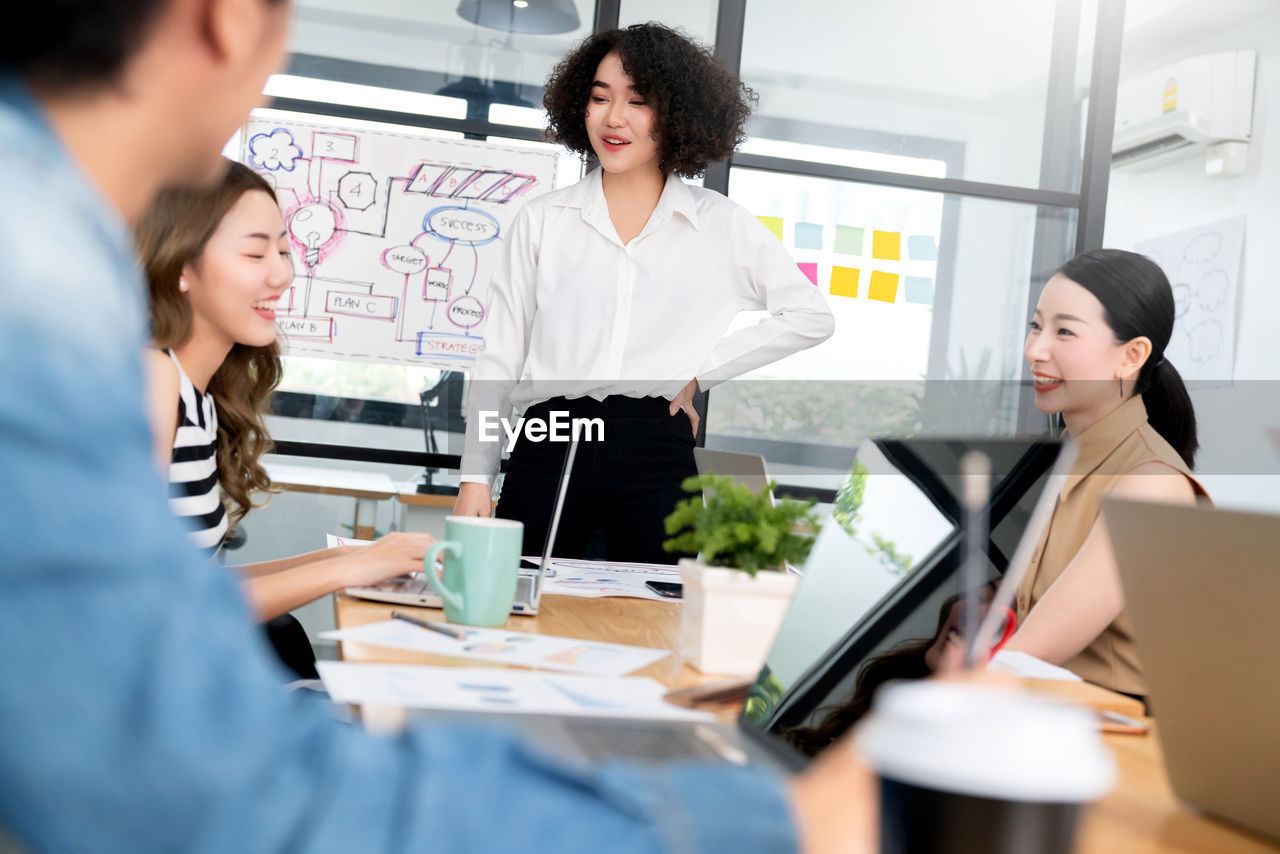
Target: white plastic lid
x,y
987,742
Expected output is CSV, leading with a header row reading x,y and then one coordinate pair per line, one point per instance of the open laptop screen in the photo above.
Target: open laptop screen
x,y
883,567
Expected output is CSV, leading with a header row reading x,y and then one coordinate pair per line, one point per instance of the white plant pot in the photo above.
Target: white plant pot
x,y
728,618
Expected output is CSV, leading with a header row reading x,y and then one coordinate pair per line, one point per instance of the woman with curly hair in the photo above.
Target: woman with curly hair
x,y
216,260
614,295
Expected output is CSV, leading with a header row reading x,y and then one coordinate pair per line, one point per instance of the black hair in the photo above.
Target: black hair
x,y
71,44
1138,301
700,107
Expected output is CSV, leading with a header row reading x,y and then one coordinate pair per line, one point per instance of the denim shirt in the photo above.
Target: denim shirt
x,y
139,706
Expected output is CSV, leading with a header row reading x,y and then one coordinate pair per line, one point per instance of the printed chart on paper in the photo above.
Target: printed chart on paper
x,y
394,236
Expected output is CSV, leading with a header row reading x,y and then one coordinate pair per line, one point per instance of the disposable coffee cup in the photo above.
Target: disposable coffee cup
x,y
976,768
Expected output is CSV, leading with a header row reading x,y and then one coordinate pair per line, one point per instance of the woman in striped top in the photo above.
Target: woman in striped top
x,y
194,494
217,259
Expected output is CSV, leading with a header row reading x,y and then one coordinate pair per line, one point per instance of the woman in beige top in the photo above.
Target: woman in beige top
x,y
1096,350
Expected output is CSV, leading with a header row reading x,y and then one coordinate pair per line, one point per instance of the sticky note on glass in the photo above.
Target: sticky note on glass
x,y
849,240
773,223
886,245
919,290
884,286
922,248
810,270
844,281
808,235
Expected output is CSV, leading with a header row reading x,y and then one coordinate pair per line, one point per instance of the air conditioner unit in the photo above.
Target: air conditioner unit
x,y
1181,109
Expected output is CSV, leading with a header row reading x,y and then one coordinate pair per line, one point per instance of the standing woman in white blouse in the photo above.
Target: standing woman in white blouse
x,y
614,296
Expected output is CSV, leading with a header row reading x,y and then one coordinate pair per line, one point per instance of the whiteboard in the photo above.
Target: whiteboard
x,y
1203,267
394,235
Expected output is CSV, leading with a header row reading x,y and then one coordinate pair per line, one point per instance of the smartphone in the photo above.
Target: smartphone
x,y
669,589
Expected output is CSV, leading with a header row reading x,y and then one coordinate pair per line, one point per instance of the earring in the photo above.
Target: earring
x,y
1120,386
182,284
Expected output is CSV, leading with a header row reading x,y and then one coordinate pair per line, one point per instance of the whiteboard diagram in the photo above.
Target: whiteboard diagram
x,y
1203,266
394,236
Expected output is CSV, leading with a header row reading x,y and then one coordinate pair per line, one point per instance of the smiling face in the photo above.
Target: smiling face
x,y
234,285
1074,357
620,123
948,644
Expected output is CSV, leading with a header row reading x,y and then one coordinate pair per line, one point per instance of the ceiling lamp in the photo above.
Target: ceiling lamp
x,y
540,17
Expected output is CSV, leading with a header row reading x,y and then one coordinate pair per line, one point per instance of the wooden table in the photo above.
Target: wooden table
x,y
366,487
425,511
1141,816
411,497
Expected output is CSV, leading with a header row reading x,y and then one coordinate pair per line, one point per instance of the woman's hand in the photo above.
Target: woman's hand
x,y
397,553
835,803
684,400
474,499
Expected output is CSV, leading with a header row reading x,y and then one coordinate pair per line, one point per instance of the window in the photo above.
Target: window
x,y
930,294
914,78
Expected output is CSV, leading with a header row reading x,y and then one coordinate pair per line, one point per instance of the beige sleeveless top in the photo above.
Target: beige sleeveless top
x,y
1121,442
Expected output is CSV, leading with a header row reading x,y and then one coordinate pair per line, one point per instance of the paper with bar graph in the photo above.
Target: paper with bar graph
x,y
496,690
508,647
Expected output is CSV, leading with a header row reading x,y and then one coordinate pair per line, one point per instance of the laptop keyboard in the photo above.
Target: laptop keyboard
x,y
414,585
639,741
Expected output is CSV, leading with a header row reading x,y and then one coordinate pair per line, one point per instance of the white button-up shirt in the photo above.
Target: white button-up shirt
x,y
574,312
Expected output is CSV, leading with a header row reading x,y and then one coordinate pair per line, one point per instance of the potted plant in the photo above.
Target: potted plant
x,y
737,590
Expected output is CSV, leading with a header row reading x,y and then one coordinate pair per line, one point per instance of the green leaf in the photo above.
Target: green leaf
x,y
731,526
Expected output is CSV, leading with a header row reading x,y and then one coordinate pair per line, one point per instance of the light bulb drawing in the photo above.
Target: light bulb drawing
x,y
312,226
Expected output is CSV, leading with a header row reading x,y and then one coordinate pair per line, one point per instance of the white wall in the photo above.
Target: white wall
x,y
1238,462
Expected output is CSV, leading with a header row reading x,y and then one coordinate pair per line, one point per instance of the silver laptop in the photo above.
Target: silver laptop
x,y
746,469
1201,587
845,585
414,590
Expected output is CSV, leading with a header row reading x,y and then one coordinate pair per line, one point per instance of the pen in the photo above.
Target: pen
x,y
456,634
1116,722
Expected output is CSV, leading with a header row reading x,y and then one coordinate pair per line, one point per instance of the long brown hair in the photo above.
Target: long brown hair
x,y
173,233
904,661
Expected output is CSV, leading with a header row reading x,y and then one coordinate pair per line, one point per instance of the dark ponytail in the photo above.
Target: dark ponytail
x,y
1138,301
1169,408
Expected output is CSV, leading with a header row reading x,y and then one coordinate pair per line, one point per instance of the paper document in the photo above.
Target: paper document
x,y
1029,667
333,541
597,579
493,690
509,647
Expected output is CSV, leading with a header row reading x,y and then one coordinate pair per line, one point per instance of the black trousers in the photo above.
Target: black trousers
x,y
291,644
624,485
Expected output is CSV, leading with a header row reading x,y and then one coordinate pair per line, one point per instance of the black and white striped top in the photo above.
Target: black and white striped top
x,y
194,495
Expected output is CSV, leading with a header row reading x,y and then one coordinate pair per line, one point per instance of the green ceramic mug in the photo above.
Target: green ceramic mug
x,y
481,564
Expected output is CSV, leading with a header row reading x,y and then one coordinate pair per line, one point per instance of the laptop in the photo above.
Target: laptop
x,y
414,589
845,584
745,469
1201,588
